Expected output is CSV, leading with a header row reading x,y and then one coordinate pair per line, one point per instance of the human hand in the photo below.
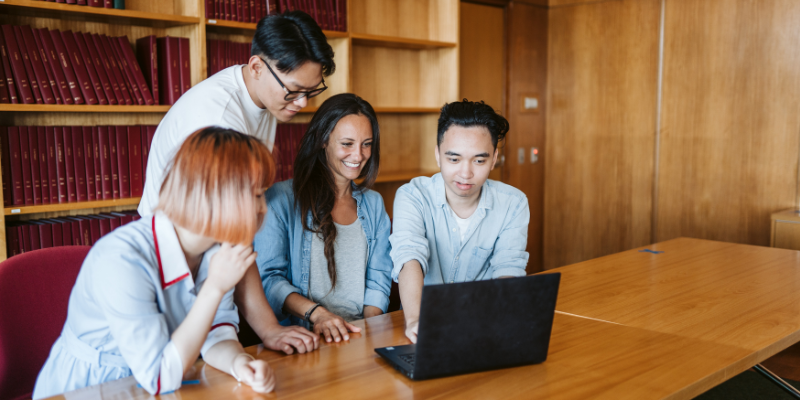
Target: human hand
x,y
255,373
372,311
289,339
332,326
411,330
228,265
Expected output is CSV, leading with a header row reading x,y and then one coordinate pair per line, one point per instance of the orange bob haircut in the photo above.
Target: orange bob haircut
x,y
210,189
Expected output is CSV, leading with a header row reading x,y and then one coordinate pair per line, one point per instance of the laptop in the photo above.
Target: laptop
x,y
478,326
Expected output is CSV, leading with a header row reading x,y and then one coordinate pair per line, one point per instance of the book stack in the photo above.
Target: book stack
x,y
222,54
41,66
84,230
330,14
166,65
284,151
67,164
118,4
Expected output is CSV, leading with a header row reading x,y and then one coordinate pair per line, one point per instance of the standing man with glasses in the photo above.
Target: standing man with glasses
x,y
290,56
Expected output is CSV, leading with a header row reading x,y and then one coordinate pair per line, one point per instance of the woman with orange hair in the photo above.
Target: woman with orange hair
x,y
153,295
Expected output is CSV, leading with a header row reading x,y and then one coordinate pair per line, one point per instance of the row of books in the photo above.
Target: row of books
x,y
118,4
330,14
41,66
284,151
67,164
167,66
222,54
85,230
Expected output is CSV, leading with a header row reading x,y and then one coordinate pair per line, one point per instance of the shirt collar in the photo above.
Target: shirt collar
x,y
172,264
247,101
487,193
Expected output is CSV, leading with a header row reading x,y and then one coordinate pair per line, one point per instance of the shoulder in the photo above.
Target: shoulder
x,y
129,247
280,191
419,188
505,191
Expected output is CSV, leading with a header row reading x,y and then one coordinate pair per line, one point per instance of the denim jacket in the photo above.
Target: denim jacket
x,y
425,230
284,249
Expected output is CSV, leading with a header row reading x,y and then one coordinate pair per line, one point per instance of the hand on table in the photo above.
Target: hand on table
x,y
255,373
290,339
332,326
411,330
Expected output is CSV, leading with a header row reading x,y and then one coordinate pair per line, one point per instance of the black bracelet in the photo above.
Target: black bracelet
x,y
310,311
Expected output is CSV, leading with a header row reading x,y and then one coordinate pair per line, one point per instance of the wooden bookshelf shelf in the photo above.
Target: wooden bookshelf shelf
x,y
223,26
364,39
387,110
43,9
81,108
20,210
402,176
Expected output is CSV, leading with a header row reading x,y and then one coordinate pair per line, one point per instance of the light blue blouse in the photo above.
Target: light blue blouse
x,y
134,289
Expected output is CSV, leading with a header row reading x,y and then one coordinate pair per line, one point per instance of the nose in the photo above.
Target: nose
x,y
301,102
466,171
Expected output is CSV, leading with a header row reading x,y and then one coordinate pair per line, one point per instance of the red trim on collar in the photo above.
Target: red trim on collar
x,y
221,324
164,285
158,383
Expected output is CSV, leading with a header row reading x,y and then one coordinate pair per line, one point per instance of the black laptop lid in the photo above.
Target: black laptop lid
x,y
477,326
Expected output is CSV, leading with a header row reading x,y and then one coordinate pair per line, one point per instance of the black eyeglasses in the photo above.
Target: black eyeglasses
x,y
292,95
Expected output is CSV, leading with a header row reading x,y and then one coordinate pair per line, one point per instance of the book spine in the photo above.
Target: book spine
x,y
245,15
76,60
33,232
119,4
26,61
52,166
114,219
88,161
130,58
48,67
5,64
88,63
127,71
96,3
169,71
25,153
209,5
63,60
98,177
39,71
117,82
135,161
61,165
108,3
79,161
58,233
100,67
45,234
112,146
185,66
105,163
44,168
148,141
17,65
69,161
148,59
5,163
123,162
36,174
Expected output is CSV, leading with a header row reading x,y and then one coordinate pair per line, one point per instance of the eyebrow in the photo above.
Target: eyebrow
x,y
454,154
353,140
297,85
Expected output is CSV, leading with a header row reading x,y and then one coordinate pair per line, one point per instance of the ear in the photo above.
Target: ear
x,y
436,154
494,158
255,67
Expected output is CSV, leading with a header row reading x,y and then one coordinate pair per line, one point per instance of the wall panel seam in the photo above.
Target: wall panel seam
x,y
657,139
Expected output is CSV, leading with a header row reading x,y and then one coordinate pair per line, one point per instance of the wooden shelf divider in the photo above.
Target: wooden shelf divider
x,y
402,176
20,210
364,39
45,9
81,108
222,26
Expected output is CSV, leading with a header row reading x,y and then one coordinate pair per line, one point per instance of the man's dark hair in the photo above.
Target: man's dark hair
x,y
291,39
468,114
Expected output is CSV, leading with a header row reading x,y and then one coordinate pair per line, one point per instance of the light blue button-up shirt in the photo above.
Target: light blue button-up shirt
x,y
425,230
284,249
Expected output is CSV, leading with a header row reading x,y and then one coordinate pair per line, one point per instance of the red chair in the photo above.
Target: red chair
x,y
34,292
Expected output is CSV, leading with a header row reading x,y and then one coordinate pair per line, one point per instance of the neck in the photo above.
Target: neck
x,y
343,188
250,84
193,246
463,206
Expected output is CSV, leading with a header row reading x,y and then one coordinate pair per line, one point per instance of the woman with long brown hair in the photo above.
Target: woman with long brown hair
x,y
323,254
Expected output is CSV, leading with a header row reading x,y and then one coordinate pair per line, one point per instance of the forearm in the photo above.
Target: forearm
x,y
223,354
410,282
297,305
372,311
249,297
193,331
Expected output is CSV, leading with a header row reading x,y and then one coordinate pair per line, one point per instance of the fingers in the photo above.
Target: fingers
x,y
263,377
245,374
352,328
411,335
324,331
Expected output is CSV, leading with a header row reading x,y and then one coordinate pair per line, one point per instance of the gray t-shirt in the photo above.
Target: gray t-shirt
x,y
350,252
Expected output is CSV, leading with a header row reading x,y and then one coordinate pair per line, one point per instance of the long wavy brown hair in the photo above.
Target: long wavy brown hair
x,y
314,187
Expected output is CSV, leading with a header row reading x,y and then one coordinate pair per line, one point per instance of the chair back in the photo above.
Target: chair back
x,y
34,293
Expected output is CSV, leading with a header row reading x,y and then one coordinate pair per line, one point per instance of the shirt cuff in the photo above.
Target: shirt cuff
x,y
171,373
508,271
402,260
219,333
277,296
376,298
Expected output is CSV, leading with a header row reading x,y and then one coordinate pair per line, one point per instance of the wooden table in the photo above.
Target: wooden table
x,y
633,325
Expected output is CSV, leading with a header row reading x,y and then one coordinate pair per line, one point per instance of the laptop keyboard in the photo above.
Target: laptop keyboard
x,y
409,358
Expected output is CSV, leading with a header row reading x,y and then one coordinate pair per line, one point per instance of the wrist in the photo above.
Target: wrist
x,y
211,292
314,312
240,360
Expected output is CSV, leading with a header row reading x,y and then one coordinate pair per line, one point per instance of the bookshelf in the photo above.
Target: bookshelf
x,y
399,55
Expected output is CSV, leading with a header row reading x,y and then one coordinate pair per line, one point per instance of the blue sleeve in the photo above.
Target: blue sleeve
x,y
408,239
509,257
379,268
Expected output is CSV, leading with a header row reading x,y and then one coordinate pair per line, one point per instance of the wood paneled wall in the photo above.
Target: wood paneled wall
x,y
725,154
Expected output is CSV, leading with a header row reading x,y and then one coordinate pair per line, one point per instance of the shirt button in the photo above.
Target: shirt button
x,y
456,258
454,229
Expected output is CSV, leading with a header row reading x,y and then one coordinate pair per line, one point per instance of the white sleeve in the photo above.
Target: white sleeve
x,y
171,374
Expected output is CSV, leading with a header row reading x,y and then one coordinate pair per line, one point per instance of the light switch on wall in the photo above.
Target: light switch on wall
x,y
534,155
521,156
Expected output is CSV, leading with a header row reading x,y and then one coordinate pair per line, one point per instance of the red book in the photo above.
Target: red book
x,y
209,9
105,162
108,3
62,67
88,63
87,47
5,64
98,176
147,137
127,71
5,158
45,232
48,67
226,4
13,243
255,10
56,187
211,56
57,232
148,60
94,226
39,72
15,157
17,65
72,2
79,166
123,218
240,10
84,83
112,147
88,154
26,61
96,3
123,162
33,234
69,161
25,153
114,220
169,70
130,58
244,16
186,70
82,231
61,164
44,169
70,229
135,161
113,71
36,175
102,223
25,237
341,14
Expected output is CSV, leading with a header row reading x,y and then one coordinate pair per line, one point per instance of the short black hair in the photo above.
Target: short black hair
x,y
291,39
469,113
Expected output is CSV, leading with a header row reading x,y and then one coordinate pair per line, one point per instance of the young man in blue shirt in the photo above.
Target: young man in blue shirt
x,y
458,225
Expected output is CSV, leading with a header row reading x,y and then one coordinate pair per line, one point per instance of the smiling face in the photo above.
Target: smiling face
x,y
465,158
267,93
349,147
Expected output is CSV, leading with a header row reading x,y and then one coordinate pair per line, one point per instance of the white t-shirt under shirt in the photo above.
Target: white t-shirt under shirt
x,y
220,100
463,224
